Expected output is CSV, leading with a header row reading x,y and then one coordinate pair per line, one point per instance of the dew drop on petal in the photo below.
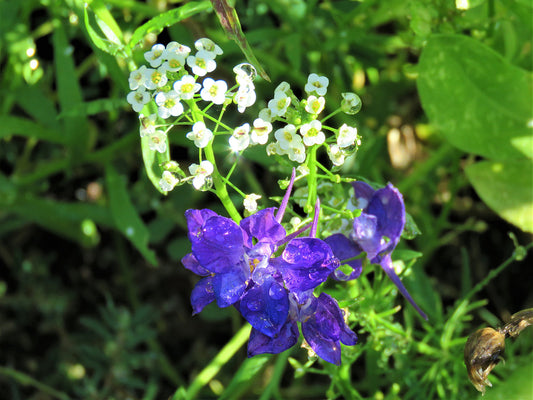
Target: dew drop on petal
x,y
254,305
275,292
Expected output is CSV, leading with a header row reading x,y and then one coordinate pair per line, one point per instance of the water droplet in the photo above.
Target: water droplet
x,y
276,292
254,305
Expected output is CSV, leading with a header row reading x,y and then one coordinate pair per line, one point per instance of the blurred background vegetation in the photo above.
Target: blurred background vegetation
x,y
94,302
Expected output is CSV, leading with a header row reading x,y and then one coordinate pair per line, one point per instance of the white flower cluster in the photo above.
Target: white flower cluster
x,y
170,83
302,127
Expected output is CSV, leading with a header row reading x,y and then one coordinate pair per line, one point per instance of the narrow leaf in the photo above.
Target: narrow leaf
x,y
230,22
157,24
10,125
125,216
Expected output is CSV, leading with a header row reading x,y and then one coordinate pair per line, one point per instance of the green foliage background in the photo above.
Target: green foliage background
x,y
93,299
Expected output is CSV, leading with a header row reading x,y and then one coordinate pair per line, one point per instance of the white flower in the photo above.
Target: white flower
x,y
260,131
202,63
168,104
303,170
137,78
209,46
186,87
201,173
336,155
317,84
200,135
155,56
347,136
147,124
274,148
315,105
214,91
158,141
168,181
266,114
155,78
240,139
245,97
250,202
351,103
177,48
174,62
283,87
312,133
279,104
297,152
138,98
287,137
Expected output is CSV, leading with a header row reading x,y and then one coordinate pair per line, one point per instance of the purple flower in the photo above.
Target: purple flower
x,y
224,253
376,232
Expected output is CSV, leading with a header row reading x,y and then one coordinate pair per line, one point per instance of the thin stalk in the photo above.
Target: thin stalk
x,y
209,372
25,380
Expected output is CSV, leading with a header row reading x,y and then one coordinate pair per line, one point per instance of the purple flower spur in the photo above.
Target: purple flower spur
x,y
376,232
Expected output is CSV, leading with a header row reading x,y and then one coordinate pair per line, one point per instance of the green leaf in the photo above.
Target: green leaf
x,y
125,215
479,102
75,128
157,24
507,188
242,380
10,125
113,42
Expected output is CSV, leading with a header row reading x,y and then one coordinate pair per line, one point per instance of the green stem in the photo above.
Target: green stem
x,y
218,181
209,372
311,179
26,380
279,368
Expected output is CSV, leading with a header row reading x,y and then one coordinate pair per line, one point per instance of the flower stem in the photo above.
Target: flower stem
x,y
311,180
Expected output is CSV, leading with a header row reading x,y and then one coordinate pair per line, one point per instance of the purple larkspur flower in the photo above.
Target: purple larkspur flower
x,y
376,232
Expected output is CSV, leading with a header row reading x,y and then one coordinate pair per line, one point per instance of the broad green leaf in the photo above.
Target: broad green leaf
x,y
125,215
157,24
153,162
10,125
507,188
75,128
479,102
113,42
244,377
230,22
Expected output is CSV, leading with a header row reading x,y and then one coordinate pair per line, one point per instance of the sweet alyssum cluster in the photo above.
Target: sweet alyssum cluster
x,y
269,275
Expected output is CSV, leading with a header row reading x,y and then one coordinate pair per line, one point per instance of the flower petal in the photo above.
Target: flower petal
x,y
202,294
218,245
367,236
191,263
386,264
305,263
196,218
263,226
363,193
266,307
260,343
343,248
229,287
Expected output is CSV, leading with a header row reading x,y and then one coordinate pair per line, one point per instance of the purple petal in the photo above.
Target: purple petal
x,y
229,287
386,264
196,218
343,248
263,226
305,263
367,236
266,307
388,206
363,193
191,263
260,343
325,347
218,246
285,201
202,294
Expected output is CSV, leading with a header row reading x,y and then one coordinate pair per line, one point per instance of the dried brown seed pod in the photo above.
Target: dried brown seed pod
x,y
484,348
